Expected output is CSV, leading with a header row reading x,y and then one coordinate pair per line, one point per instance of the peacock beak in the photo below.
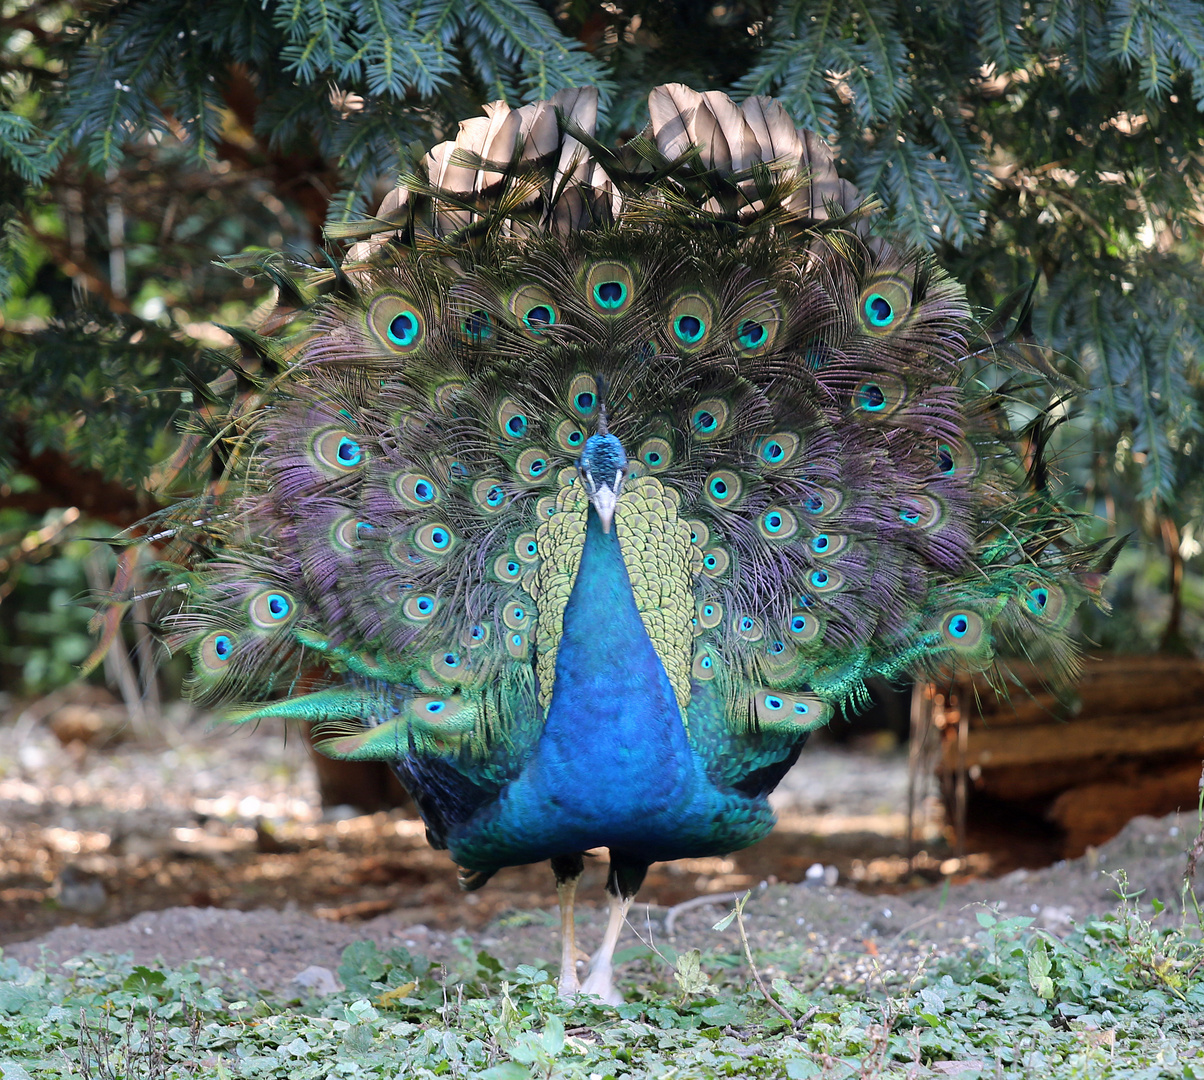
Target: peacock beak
x,y
603,495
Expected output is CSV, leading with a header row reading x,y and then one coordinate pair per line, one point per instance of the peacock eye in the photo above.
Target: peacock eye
x,y
909,517
773,452
798,624
814,505
1037,600
496,496
451,659
752,334
719,488
403,329
705,422
610,294
878,310
944,459
584,402
773,702
517,426
959,626
773,521
802,708
689,328
435,706
268,609
871,398
707,662
539,317
477,326
423,491
820,578
777,647
223,647
820,543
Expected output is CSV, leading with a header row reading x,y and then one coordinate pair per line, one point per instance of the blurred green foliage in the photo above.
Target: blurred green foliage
x,y
142,141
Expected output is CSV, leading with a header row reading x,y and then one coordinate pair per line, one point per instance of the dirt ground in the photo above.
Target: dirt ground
x,y
212,843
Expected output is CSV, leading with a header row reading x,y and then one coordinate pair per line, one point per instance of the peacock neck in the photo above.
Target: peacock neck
x,y
613,709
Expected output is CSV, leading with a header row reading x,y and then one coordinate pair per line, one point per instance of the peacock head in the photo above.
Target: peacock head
x,y
602,467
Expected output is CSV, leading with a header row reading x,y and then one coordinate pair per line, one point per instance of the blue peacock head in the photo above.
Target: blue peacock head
x,y
602,467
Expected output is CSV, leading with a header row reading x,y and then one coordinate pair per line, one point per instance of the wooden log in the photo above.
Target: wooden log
x,y
1093,813
1108,685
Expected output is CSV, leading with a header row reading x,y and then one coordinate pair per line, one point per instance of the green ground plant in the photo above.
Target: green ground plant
x,y
1120,996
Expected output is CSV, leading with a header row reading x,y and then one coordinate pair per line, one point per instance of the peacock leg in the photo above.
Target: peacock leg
x,y
622,884
568,870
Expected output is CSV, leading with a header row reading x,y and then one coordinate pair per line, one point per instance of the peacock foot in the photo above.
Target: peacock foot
x,y
600,983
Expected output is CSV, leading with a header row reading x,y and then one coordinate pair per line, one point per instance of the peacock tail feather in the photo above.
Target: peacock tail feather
x,y
817,490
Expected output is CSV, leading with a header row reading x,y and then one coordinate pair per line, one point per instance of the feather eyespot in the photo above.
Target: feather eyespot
x,y
922,512
583,395
703,668
878,310
715,562
397,323
488,495
416,490
825,580
951,461
747,628
757,327
884,303
963,630
515,616
722,488
656,454
507,568
700,534
216,651
709,615
477,326
1045,602
419,608
609,287
533,467
475,636
526,547
690,321
516,645
752,334
435,539
804,627
880,396
778,449
345,534
338,450
536,311
710,419
871,397
512,420
269,610
569,436
777,524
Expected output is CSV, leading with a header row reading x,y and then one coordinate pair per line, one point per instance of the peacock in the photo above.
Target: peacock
x,y
591,480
